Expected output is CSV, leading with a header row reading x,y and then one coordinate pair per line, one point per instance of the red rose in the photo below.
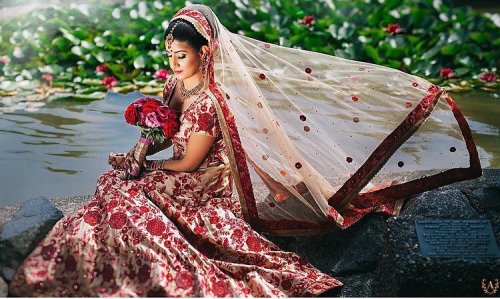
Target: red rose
x,y
170,128
131,115
150,106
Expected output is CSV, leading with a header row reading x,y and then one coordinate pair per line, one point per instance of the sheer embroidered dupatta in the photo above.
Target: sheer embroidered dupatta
x,y
322,132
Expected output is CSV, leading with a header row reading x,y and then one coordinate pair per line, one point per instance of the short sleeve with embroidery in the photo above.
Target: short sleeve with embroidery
x,y
205,118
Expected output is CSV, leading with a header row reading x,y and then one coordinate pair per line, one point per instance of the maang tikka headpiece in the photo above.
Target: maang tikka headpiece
x,y
170,36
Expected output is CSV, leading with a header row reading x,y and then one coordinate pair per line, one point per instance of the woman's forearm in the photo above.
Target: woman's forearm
x,y
175,165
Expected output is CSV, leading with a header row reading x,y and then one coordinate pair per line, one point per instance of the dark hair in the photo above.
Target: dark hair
x,y
185,32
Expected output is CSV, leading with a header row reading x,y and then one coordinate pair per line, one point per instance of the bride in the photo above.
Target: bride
x,y
316,130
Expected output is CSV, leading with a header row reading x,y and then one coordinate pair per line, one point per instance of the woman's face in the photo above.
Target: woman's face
x,y
184,60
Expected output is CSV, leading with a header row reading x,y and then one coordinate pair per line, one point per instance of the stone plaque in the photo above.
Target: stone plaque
x,y
456,238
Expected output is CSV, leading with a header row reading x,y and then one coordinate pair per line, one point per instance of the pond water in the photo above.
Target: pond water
x,y
60,149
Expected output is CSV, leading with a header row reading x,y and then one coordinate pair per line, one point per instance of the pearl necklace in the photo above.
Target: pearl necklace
x,y
187,93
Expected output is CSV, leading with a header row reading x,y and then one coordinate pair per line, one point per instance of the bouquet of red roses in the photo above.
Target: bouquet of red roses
x,y
157,122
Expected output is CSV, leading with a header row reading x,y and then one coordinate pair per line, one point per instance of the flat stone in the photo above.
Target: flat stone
x,y
28,226
403,271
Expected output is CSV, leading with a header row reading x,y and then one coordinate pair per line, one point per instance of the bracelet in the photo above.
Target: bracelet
x,y
157,165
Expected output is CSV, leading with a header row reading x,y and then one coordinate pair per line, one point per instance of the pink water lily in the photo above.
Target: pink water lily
x,y
47,77
489,77
100,69
109,81
4,59
161,75
393,28
446,73
308,20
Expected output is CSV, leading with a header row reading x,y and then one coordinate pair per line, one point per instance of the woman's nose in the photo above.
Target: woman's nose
x,y
175,61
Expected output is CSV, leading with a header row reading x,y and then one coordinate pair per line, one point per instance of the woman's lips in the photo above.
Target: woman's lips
x,y
177,72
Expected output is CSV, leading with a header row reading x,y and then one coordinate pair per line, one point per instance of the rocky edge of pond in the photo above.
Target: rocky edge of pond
x,y
377,256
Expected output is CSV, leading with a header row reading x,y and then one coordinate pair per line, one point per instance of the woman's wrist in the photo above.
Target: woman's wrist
x,y
157,165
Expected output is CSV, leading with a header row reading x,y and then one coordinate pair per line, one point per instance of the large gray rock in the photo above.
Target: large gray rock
x,y
28,226
439,203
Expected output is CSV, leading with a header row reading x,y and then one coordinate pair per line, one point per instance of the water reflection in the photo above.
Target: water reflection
x,y
62,148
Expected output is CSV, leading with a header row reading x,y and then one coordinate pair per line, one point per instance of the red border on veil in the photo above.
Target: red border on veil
x,y
383,200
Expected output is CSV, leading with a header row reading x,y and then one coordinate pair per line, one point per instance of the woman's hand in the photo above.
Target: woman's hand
x,y
117,160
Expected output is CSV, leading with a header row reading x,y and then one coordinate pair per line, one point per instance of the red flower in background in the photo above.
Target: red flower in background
x,y
161,75
308,20
102,68
5,59
393,28
446,73
109,81
489,77
47,77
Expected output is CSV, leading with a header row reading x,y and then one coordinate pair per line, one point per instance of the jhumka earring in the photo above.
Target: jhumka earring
x,y
204,64
170,37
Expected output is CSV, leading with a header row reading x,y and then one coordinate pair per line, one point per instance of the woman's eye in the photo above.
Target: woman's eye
x,y
181,56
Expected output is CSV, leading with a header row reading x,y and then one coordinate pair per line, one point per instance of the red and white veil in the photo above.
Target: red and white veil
x,y
332,139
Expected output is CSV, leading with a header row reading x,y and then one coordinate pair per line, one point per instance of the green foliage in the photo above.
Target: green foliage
x,y
70,42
